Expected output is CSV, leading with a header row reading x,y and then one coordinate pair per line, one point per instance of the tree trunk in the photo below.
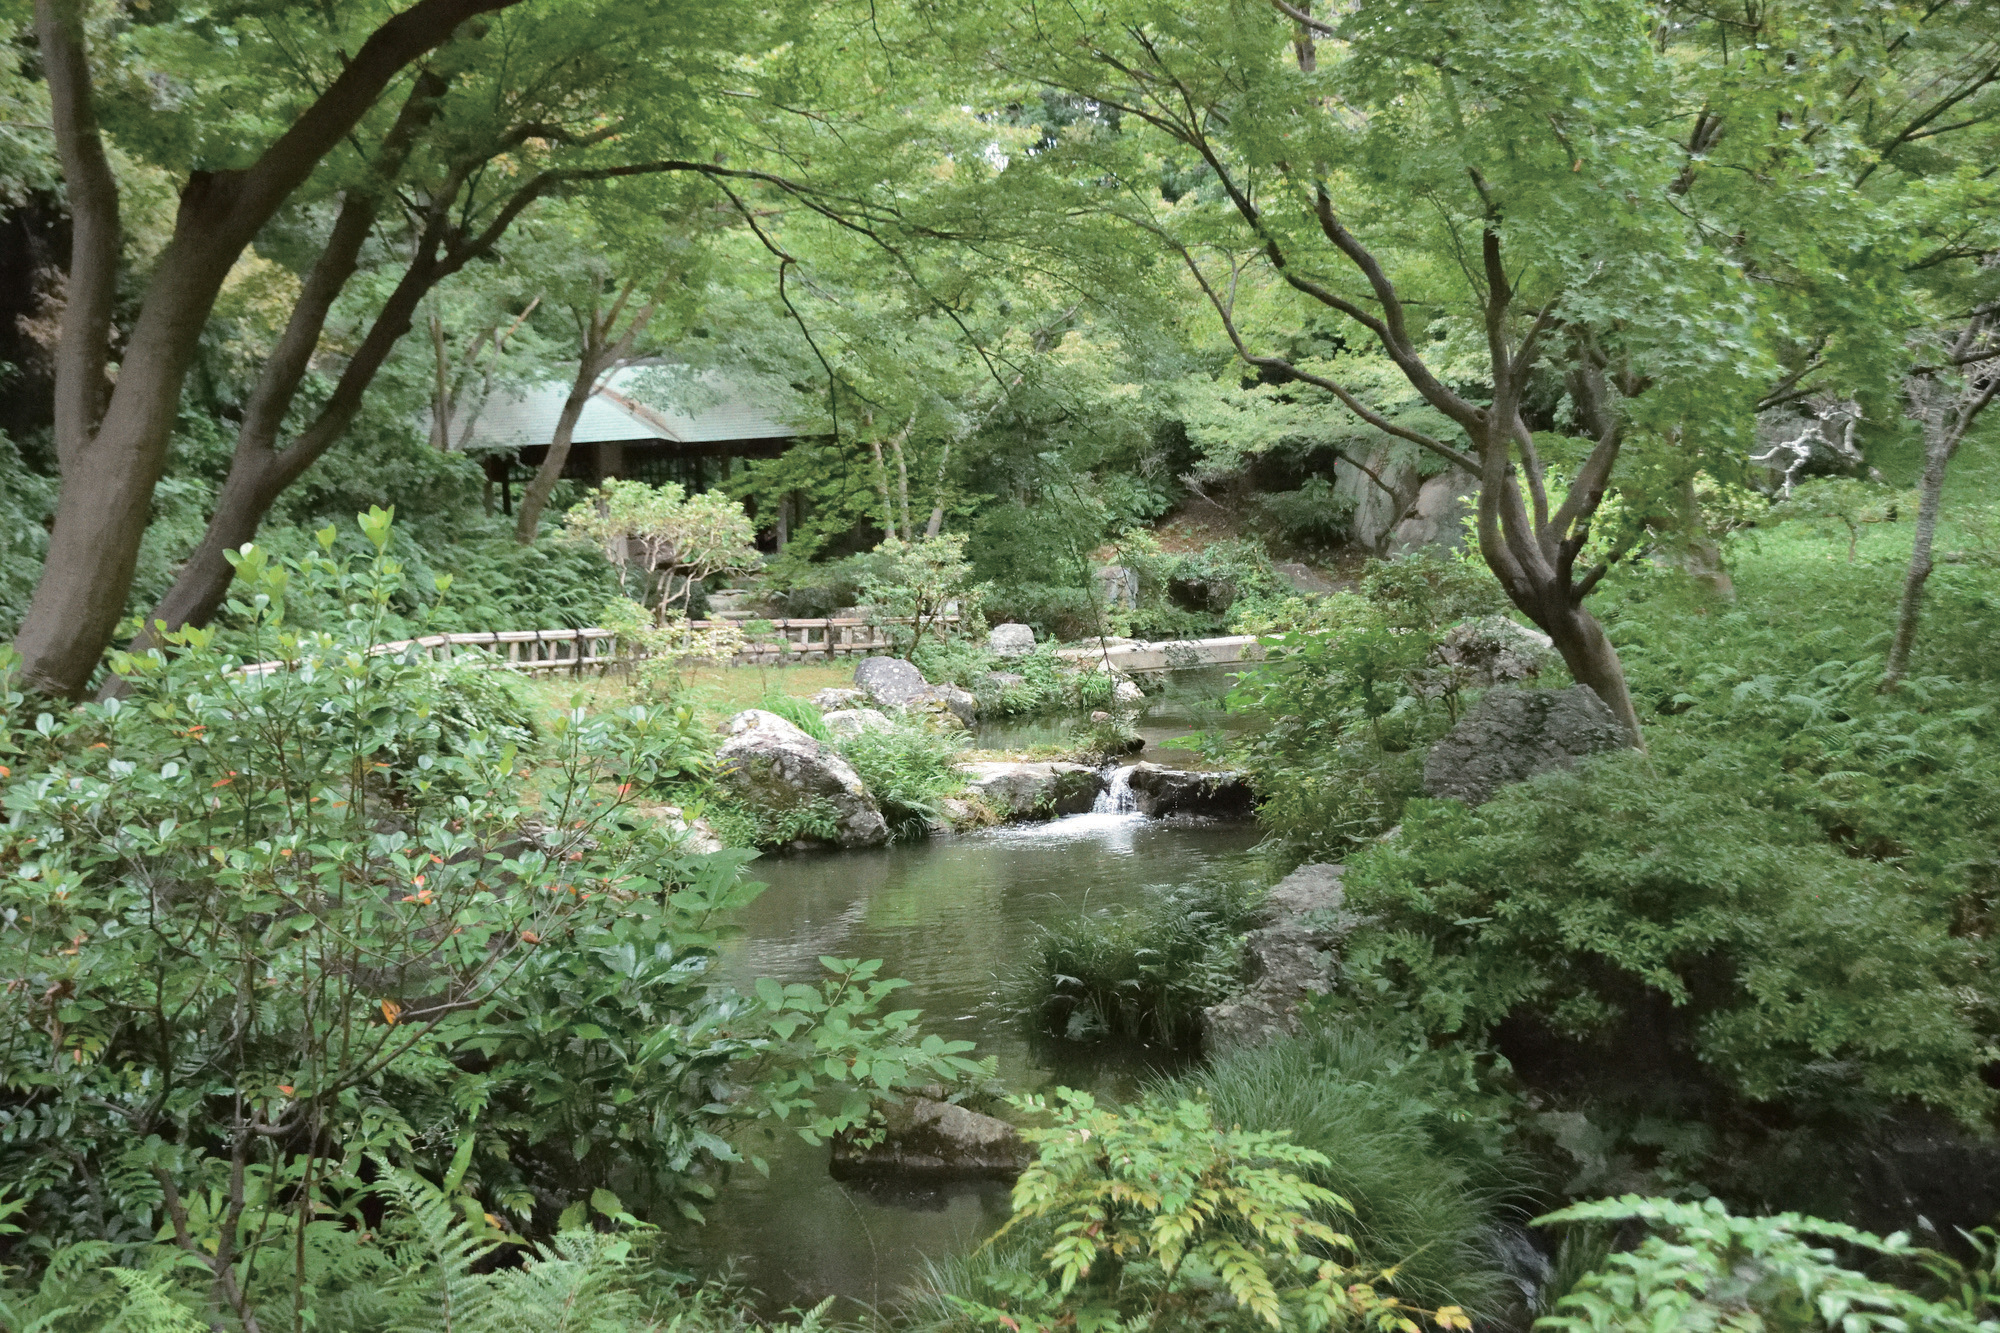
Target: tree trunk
x,y
1944,430
1591,660
535,495
600,354
1703,560
903,491
202,583
932,528
1937,457
109,472
882,485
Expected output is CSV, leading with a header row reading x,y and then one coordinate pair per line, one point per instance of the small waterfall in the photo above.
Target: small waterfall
x,y
1116,798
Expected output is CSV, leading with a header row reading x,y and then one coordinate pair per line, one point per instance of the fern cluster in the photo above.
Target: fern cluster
x,y
427,1268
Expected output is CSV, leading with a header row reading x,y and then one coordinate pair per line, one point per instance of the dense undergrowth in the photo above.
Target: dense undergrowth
x,y
1143,973
284,936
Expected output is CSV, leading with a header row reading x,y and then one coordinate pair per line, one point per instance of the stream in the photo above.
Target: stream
x,y
954,915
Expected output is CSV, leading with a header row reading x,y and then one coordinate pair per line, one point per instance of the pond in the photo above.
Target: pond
x,y
955,916
1187,702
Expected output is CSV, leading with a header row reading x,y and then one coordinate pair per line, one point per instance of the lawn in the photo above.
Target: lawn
x,y
720,691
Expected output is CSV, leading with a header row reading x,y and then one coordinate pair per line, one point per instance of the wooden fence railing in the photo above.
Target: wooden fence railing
x,y
582,651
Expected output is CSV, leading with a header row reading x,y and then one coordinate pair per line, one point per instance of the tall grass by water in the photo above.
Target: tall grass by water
x,y
1425,1174
1142,973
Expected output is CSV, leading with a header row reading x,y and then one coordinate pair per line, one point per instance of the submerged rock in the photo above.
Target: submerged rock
x,y
1020,790
773,767
1511,735
1286,960
847,722
930,1136
1160,791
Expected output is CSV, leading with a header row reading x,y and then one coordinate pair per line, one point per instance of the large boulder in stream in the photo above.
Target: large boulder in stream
x,y
1019,790
897,686
772,766
1511,735
1286,959
929,1136
1158,791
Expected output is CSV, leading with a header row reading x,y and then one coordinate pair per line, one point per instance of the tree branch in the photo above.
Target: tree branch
x,y
1353,404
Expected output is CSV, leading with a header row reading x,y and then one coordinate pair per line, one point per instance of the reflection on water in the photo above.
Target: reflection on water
x,y
953,916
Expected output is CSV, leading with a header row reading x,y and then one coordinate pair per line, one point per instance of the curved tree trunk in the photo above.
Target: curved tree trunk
x,y
535,495
602,349
111,466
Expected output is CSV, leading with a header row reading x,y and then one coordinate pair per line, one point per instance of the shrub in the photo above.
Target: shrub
x,y
1144,972
1313,515
493,704
740,825
1158,1218
922,582
268,928
428,1263
1431,588
909,769
1350,716
1420,1162
1701,1267
813,592
643,530
1838,506
1711,944
1059,612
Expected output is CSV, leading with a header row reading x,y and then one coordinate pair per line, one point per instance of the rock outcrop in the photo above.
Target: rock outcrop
x,y
833,700
1019,790
895,685
773,767
925,1135
889,682
1287,959
1159,791
847,722
1436,517
1011,640
1511,735
1493,650
695,835
1304,579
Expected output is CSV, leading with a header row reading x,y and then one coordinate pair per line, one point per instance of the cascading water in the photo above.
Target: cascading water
x,y
1116,798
